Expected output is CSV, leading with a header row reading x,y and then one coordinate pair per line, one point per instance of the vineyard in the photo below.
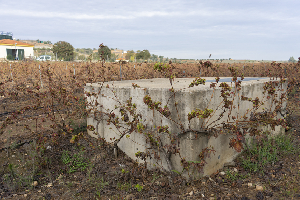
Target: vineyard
x,y
46,152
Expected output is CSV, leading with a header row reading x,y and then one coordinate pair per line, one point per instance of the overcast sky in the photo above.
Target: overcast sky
x,y
238,29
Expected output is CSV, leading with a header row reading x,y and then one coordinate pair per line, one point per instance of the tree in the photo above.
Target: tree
x,y
161,58
145,55
81,57
292,59
64,50
104,51
154,57
96,56
47,42
88,51
81,51
113,57
129,54
132,59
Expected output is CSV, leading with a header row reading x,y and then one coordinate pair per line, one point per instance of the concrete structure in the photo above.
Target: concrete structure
x,y
112,94
16,49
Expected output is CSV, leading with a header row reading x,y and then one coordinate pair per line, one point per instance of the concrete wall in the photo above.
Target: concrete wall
x,y
188,99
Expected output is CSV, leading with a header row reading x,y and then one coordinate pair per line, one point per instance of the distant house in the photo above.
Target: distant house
x,y
38,44
120,54
12,49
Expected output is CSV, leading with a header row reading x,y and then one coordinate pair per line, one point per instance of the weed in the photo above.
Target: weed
x,y
155,177
244,176
77,128
103,183
15,180
288,193
249,164
177,172
232,175
75,162
285,144
89,171
100,184
138,187
98,193
126,186
124,171
70,184
266,152
11,170
14,145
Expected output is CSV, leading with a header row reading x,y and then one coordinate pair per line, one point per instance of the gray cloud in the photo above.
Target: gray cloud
x,y
184,29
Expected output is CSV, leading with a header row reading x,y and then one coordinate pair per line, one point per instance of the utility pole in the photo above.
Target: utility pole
x,y
16,50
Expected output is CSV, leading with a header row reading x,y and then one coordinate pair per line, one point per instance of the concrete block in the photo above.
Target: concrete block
x,y
105,98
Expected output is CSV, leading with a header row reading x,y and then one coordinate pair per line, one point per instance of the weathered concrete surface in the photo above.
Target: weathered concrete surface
x,y
111,94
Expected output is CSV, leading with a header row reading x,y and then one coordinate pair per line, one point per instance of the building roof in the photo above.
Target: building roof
x,y
7,42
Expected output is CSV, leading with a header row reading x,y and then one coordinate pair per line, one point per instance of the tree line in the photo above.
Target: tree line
x,y
65,51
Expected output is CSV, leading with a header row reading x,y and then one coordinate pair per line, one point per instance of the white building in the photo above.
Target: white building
x,y
12,49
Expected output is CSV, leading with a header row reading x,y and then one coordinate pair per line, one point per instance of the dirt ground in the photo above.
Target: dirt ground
x,y
88,169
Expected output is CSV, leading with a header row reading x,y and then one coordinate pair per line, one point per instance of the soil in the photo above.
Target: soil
x,y
29,170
